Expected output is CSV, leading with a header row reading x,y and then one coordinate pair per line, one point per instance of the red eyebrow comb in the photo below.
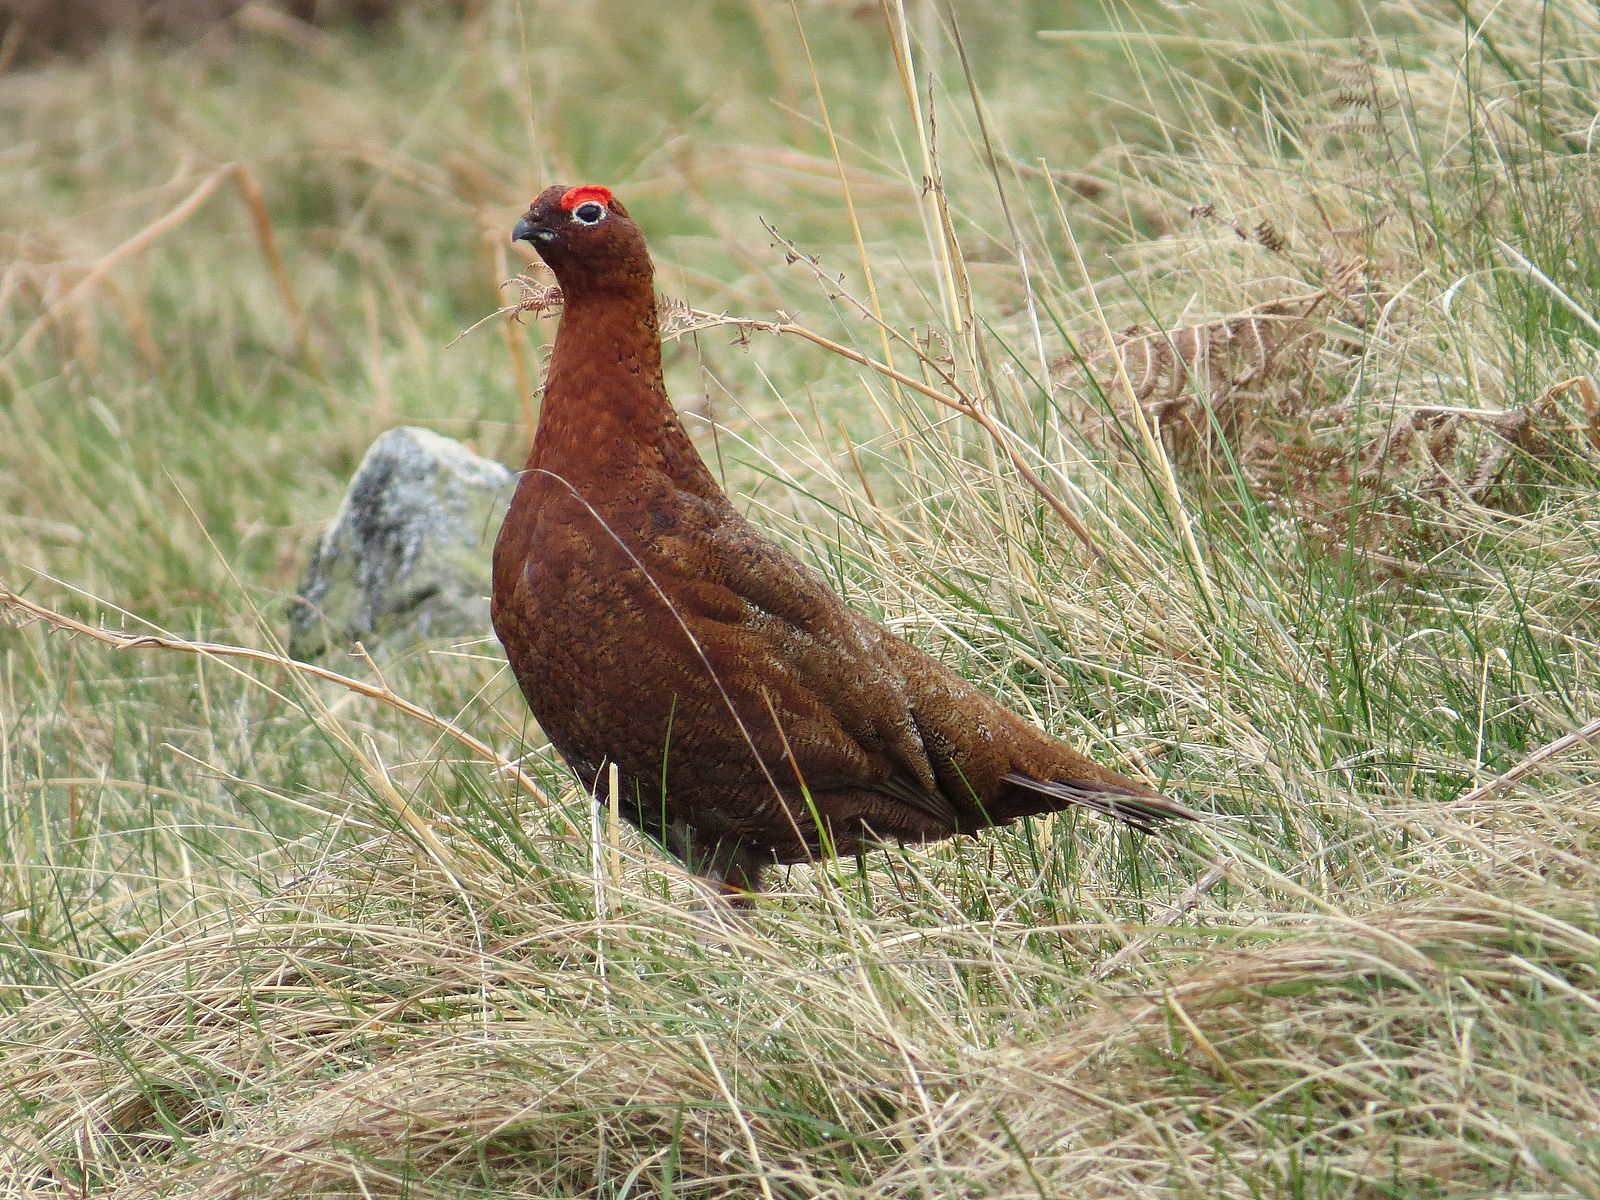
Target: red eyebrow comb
x,y
584,193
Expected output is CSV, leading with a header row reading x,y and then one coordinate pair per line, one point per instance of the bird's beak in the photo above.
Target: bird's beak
x,y
524,231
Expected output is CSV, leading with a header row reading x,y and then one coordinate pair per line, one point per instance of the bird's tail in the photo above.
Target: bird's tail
x,y
1127,802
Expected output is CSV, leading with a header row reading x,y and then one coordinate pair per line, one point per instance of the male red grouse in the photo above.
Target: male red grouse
x,y
651,626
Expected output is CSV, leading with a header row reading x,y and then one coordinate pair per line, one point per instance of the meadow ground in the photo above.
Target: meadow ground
x,y
1239,424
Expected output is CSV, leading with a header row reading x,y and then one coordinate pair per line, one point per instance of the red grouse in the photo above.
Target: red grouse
x,y
753,718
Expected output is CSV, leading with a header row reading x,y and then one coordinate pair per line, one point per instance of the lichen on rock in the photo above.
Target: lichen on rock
x,y
408,553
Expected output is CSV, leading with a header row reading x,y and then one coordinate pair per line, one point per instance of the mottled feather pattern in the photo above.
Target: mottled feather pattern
x,y
652,627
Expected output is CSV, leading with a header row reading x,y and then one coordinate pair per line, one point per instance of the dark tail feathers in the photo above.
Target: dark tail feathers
x,y
1133,806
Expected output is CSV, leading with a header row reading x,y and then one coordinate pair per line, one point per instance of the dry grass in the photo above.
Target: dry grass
x,y
1215,384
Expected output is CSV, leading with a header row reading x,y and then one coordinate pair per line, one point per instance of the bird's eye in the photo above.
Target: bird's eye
x,y
589,213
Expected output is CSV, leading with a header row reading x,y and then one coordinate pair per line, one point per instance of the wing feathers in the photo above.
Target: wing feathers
x,y
1141,809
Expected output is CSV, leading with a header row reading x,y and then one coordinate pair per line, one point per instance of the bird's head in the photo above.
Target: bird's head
x,y
587,238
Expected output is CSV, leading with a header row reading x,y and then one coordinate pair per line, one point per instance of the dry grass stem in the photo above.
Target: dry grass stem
x,y
682,319
244,181
29,610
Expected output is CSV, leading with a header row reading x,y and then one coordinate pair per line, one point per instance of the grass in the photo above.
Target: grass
x,y
1292,307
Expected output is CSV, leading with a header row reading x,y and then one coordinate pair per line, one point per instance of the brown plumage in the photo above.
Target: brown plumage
x,y
651,626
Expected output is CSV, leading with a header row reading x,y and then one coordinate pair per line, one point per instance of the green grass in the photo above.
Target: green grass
x,y
263,936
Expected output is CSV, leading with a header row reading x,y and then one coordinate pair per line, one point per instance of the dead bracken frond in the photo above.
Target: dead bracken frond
x,y
1234,391
1412,480
1195,381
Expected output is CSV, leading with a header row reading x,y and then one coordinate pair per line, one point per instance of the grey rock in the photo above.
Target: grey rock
x,y
408,552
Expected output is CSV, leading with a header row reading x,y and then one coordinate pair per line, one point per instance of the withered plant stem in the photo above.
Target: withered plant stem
x,y
249,189
380,692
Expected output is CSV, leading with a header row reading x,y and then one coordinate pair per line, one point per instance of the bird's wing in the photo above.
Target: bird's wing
x,y
828,670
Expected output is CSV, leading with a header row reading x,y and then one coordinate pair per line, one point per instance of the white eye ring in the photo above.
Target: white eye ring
x,y
590,212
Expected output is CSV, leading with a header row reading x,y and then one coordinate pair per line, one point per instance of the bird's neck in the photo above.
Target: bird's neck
x,y
606,413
